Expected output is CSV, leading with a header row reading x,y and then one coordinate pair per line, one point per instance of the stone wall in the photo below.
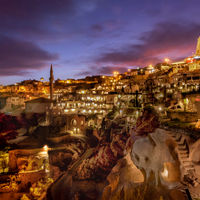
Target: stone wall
x,y
19,182
183,116
26,159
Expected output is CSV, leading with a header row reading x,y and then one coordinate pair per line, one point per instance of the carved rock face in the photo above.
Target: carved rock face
x,y
124,176
195,161
195,155
155,154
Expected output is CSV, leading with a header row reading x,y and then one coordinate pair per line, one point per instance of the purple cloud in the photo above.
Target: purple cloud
x,y
17,57
34,10
105,70
97,27
176,39
34,18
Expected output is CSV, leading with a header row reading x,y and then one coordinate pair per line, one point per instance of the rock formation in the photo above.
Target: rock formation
x,y
142,163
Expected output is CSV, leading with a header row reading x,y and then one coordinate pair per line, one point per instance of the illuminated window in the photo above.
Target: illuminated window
x,y
74,122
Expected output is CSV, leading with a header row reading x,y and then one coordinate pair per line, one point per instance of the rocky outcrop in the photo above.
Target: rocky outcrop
x,y
104,158
158,166
155,154
124,176
86,178
194,158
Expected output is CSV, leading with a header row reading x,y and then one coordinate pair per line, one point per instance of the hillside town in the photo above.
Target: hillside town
x,y
134,134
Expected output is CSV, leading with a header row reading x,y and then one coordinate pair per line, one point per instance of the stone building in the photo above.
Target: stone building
x,y
9,103
198,47
76,123
39,105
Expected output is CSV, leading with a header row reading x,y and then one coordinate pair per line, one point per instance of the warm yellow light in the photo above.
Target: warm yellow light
x,y
115,73
186,100
150,66
167,60
74,130
129,70
160,108
45,147
165,172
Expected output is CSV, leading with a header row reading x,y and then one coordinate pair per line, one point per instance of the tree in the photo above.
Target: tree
x,y
8,126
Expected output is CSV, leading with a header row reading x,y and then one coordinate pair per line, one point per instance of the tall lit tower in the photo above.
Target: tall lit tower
x,y
51,79
198,47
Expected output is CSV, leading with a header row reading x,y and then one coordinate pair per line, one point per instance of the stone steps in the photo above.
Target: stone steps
x,y
183,154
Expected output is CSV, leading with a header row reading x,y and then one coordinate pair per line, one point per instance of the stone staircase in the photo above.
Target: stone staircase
x,y
188,171
183,153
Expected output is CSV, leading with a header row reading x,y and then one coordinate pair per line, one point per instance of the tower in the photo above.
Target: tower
x,y
198,47
51,79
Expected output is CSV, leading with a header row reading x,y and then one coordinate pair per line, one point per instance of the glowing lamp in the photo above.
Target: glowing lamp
x,y
45,148
165,172
167,60
115,73
160,108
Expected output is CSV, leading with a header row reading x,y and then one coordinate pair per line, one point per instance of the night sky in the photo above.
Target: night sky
x,y
90,37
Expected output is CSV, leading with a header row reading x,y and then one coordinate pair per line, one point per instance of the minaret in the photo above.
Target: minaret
x,y
51,79
198,47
